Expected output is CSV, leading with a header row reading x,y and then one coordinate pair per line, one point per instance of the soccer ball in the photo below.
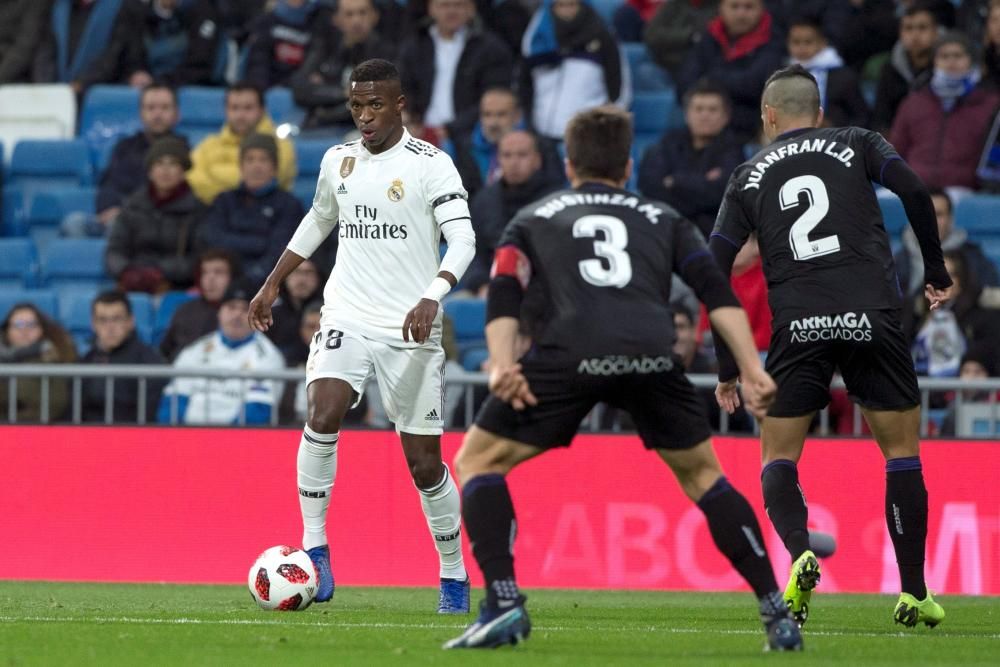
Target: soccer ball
x,y
283,579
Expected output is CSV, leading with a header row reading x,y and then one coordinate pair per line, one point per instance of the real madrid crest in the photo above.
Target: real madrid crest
x,y
396,192
346,167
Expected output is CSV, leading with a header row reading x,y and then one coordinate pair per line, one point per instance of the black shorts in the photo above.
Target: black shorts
x,y
869,349
665,406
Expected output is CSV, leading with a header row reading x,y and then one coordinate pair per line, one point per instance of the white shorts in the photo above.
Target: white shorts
x,y
410,379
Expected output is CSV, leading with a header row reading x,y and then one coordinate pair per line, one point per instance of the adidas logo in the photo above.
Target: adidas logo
x,y
432,416
341,190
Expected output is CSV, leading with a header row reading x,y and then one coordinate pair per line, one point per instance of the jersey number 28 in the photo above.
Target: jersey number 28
x,y
611,248
819,206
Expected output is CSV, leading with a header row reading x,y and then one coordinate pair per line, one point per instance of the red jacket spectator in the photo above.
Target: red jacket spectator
x,y
750,288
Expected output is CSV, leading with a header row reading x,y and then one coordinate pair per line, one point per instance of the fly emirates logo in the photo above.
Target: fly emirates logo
x,y
369,226
846,326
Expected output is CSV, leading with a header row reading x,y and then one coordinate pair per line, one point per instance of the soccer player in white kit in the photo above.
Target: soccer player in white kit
x,y
391,197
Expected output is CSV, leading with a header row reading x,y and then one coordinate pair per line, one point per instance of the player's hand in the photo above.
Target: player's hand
x,y
419,321
260,308
937,297
759,390
510,386
727,395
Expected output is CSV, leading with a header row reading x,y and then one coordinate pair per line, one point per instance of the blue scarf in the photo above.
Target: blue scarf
x,y
950,89
263,190
94,38
297,16
235,344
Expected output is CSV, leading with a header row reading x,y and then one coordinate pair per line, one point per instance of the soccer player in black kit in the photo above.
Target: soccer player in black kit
x,y
603,258
835,302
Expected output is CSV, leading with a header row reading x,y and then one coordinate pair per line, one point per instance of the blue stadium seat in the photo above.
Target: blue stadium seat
x,y
44,299
309,155
202,109
74,309
647,76
109,112
74,262
893,214
468,316
474,357
50,162
281,106
655,112
49,207
18,262
979,214
304,189
142,311
991,248
168,305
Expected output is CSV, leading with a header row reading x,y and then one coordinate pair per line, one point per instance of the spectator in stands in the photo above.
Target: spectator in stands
x,y
522,181
872,29
151,247
475,152
175,41
257,218
234,347
910,64
941,129
238,16
302,286
571,63
750,287
280,39
77,33
28,336
839,88
193,319
991,40
739,49
116,342
22,24
833,15
672,31
126,170
978,363
447,66
910,263
216,159
630,18
321,83
689,167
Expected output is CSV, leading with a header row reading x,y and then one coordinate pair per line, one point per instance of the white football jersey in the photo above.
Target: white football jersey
x,y
219,401
389,239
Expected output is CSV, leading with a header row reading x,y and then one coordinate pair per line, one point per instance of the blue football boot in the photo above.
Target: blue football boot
x,y
495,627
454,597
320,557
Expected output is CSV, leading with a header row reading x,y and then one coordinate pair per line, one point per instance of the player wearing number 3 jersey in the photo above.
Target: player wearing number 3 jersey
x,y
602,258
835,304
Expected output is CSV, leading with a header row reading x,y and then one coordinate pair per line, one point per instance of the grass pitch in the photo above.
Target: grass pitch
x,y
95,624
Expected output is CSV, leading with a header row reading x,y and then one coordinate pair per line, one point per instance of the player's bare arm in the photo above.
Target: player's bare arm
x,y
506,381
260,308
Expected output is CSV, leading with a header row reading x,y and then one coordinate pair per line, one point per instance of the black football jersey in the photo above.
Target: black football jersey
x,y
601,259
808,197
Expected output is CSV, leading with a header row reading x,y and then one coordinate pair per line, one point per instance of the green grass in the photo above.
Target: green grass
x,y
87,624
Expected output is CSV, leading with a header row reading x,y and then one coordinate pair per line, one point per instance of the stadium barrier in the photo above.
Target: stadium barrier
x,y
197,505
978,417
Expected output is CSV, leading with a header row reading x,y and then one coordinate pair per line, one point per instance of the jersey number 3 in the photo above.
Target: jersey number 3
x,y
611,248
819,206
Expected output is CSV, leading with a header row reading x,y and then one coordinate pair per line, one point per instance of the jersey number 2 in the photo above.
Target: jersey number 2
x,y
819,206
611,248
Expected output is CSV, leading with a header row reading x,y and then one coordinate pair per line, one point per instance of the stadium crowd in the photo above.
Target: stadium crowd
x,y
191,223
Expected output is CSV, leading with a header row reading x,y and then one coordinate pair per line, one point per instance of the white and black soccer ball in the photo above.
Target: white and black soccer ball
x,y
283,579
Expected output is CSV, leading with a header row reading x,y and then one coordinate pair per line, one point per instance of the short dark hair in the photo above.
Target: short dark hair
x,y
245,87
798,101
707,86
218,254
599,142
923,7
110,297
158,85
680,309
807,21
941,192
375,69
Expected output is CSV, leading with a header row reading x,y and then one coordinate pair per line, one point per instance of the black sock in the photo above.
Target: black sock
x,y
488,513
906,518
786,504
736,533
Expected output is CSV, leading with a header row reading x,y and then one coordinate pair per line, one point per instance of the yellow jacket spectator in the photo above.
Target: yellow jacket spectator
x,y
216,160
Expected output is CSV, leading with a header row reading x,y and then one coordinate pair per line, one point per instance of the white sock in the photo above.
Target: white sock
x,y
317,468
442,507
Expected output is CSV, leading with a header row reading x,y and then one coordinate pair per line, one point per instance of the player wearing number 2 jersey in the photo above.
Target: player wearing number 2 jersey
x,y
835,301
603,258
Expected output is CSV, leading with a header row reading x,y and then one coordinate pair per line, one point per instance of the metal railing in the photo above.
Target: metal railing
x,y
931,389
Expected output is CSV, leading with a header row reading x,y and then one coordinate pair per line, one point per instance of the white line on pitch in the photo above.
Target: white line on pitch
x,y
433,626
